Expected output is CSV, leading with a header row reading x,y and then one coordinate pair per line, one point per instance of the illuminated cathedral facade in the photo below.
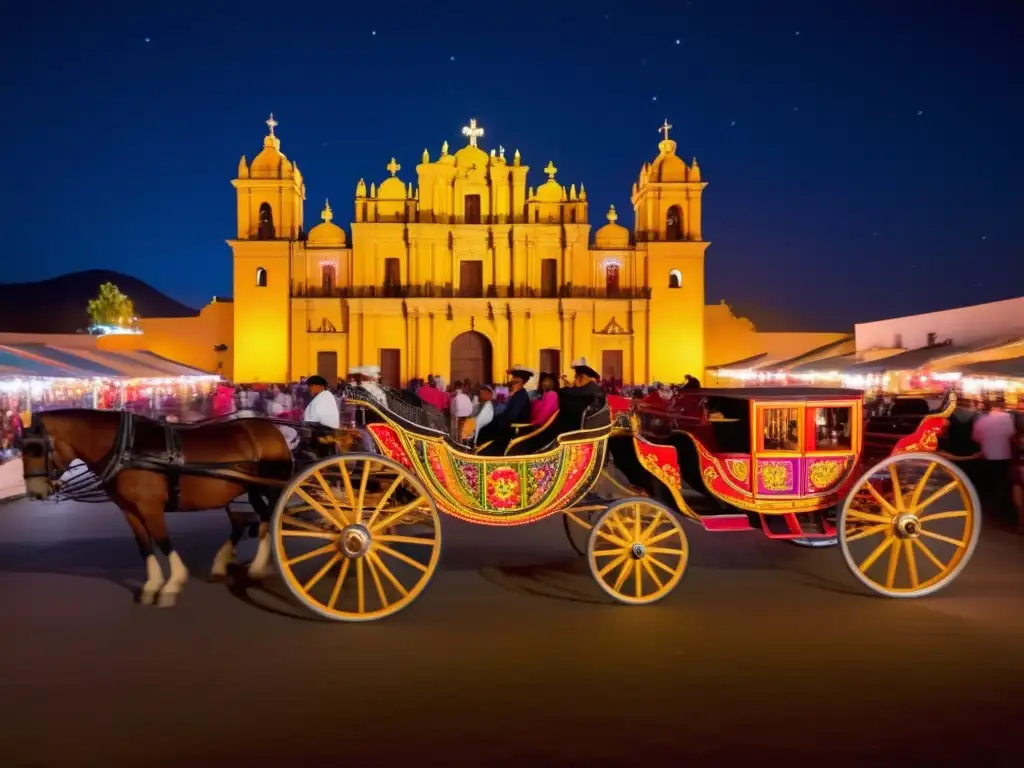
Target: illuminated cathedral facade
x,y
467,270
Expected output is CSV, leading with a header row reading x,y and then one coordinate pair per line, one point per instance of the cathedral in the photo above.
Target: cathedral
x,y
467,270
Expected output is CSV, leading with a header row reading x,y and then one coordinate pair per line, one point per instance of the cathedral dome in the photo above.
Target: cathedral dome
x,y
392,188
668,166
550,191
271,161
326,233
612,235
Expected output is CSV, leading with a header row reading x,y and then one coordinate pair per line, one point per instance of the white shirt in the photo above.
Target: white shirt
x,y
993,431
373,388
462,406
485,417
323,409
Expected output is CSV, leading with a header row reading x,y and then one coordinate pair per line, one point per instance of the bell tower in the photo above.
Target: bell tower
x,y
269,194
667,228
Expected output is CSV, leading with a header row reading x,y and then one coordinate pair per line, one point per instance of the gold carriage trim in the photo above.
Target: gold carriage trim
x,y
500,493
738,468
825,473
710,475
775,475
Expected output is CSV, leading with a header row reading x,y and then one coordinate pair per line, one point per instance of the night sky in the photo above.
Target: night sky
x,y
864,160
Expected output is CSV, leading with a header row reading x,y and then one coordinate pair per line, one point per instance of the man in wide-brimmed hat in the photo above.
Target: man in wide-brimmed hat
x,y
369,380
323,408
517,411
585,393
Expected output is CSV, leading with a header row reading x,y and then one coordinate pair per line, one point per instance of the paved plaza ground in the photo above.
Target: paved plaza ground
x,y
765,655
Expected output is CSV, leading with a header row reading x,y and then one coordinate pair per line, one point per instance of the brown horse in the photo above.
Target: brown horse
x,y
148,468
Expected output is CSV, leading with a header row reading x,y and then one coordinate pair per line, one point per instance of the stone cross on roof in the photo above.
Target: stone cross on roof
x,y
665,128
472,131
271,123
393,166
550,170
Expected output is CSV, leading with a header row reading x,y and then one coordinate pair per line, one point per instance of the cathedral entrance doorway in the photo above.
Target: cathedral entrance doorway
x,y
471,358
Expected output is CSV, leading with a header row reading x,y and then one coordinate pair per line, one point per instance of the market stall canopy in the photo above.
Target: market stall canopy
x,y
911,360
50,362
1010,368
837,363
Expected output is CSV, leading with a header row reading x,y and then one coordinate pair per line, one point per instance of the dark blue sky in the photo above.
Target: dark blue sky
x,y
863,159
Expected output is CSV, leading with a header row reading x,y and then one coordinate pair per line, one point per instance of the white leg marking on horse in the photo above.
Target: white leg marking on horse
x,y
154,580
172,590
224,557
261,567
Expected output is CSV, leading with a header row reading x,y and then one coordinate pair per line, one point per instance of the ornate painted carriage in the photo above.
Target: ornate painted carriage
x,y
804,465
780,462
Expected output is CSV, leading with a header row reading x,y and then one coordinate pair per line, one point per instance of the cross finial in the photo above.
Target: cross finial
x,y
612,215
665,128
271,123
327,214
394,167
473,132
550,170
501,152
444,149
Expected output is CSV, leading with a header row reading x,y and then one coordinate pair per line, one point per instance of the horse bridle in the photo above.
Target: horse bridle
x,y
35,438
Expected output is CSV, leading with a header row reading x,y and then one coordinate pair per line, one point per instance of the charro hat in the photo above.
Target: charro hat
x,y
580,365
521,371
317,380
370,371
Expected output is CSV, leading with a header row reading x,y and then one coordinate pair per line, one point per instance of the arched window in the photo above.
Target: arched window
x,y
266,227
261,277
611,278
328,277
675,279
674,224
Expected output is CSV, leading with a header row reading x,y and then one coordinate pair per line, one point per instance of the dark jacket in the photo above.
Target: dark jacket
x,y
499,432
573,403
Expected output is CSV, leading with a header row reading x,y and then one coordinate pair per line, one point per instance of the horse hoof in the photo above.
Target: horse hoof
x,y
167,599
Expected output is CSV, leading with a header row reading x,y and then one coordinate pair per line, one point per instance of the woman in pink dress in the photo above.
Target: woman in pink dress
x,y
544,407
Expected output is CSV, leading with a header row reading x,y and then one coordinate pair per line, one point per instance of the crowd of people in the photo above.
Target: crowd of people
x,y
488,418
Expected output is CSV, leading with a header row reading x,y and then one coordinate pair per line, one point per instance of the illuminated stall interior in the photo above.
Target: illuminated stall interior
x,y
977,373
36,377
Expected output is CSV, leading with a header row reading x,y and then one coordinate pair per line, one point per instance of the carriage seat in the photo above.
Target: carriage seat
x,y
545,437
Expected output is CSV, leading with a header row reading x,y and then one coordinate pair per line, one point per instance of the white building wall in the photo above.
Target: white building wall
x,y
964,326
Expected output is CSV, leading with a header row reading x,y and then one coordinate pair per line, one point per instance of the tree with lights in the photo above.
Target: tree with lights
x,y
112,308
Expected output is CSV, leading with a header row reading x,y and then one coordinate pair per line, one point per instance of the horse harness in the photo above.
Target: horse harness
x,y
123,454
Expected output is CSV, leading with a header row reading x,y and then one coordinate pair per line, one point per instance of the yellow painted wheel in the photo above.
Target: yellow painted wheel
x,y
910,525
637,551
356,537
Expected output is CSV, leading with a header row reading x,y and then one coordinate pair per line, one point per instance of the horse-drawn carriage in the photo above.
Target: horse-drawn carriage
x,y
357,535
785,462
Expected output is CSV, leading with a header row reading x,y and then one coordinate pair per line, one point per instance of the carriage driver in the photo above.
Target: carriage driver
x,y
323,408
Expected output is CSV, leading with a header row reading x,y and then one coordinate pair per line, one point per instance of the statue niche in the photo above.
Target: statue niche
x,y
266,223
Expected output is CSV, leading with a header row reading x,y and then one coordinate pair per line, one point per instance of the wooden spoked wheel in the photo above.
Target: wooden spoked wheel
x,y
637,551
356,537
910,525
577,528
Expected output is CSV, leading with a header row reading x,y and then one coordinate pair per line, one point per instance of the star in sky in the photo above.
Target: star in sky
x,y
654,98
732,123
146,39
373,32
920,112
